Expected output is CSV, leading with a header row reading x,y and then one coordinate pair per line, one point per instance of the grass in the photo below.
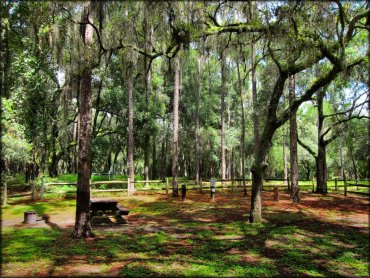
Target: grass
x,y
167,237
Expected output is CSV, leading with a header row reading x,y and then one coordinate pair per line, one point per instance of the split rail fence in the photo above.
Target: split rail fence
x,y
334,185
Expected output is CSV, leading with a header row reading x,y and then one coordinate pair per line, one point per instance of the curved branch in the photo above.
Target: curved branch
x,y
307,148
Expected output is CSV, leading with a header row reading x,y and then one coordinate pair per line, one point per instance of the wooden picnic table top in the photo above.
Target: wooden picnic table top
x,y
103,205
103,201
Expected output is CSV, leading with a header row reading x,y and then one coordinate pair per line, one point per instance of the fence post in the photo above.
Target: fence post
x,y
356,185
345,185
5,193
213,188
183,191
128,186
167,186
232,185
336,184
276,193
200,186
42,188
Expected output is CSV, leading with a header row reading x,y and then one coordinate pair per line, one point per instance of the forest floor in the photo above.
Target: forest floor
x,y
322,236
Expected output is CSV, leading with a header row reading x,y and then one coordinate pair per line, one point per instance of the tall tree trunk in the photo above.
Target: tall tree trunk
x,y
321,152
260,152
76,123
82,224
147,82
293,145
368,87
175,149
242,139
97,110
146,155
256,128
353,160
256,199
2,93
258,171
197,101
108,162
5,55
163,155
130,141
154,158
223,93
118,150
341,159
285,157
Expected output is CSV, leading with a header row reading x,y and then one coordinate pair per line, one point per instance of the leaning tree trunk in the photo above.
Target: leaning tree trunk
x,y
175,150
223,89
321,169
82,224
293,145
130,141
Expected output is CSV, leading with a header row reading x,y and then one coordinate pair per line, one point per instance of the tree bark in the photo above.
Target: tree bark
x,y
341,159
146,155
154,158
293,145
5,53
175,149
256,128
147,82
321,168
368,87
223,93
242,139
82,224
256,199
197,101
163,157
130,141
285,158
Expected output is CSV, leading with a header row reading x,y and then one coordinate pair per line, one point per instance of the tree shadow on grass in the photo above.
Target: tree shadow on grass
x,y
309,246
222,244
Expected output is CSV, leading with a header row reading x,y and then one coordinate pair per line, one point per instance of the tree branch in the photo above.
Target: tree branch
x,y
307,148
343,121
353,107
319,83
352,25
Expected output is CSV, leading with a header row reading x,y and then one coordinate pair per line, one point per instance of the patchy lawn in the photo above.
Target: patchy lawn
x,y
322,236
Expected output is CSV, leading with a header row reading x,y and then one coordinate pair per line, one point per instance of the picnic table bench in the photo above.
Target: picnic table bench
x,y
107,207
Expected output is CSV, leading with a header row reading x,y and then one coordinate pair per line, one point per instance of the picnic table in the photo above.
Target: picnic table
x,y
106,207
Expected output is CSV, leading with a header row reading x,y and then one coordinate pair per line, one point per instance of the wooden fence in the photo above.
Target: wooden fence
x,y
190,185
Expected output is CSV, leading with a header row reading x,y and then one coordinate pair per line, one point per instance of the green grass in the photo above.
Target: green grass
x,y
53,207
287,244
